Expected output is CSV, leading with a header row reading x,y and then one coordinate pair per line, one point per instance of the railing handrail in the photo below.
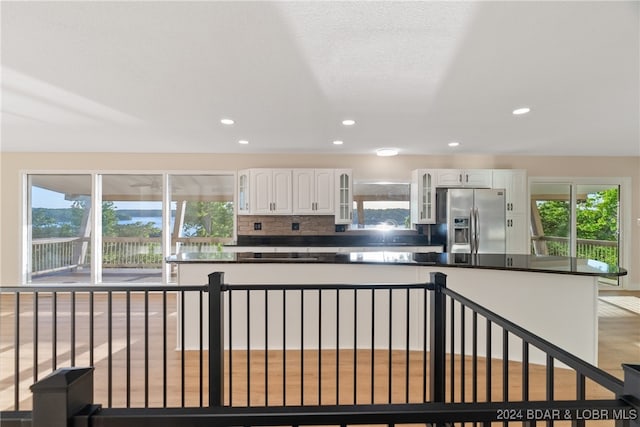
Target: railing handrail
x,y
590,371
321,286
100,288
593,242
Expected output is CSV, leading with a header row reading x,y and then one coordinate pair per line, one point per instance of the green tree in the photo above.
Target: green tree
x,y
598,216
208,219
109,219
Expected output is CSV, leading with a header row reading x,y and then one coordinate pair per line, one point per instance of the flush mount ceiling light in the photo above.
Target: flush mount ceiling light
x,y
227,121
520,111
386,152
453,144
348,122
243,142
337,142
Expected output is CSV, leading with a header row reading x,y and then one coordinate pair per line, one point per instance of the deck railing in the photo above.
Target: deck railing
x,y
437,356
59,254
601,250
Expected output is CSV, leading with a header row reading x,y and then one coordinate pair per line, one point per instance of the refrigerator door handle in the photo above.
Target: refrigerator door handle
x,y
472,231
475,229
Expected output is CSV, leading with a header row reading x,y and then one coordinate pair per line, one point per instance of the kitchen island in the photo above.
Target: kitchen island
x,y
553,297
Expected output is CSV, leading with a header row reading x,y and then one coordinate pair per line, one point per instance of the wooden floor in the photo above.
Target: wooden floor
x,y
619,342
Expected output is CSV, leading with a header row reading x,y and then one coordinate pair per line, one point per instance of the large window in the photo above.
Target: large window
x,y
578,219
382,206
58,218
118,228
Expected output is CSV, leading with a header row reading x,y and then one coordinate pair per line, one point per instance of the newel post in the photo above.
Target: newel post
x,y
216,340
437,330
631,392
59,396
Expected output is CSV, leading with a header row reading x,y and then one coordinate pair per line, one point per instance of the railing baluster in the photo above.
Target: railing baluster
x,y
337,347
266,348
425,327
248,348
201,346
110,347
16,360
319,346
390,356
580,395
452,350
54,331
91,327
301,347
525,370
488,362
230,321
164,349
474,357
128,351
550,383
406,359
355,346
373,347
72,316
463,361
146,350
505,365
182,349
284,347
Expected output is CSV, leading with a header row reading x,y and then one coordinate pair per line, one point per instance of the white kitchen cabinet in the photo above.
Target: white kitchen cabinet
x,y
514,181
243,192
472,178
313,191
517,234
270,191
343,196
423,196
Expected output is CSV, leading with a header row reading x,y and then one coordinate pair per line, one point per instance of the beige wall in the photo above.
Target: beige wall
x,y
365,167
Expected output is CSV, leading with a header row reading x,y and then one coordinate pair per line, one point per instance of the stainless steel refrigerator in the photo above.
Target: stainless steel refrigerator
x,y
474,219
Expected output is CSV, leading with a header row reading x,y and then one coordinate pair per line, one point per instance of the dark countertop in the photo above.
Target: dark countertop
x,y
507,262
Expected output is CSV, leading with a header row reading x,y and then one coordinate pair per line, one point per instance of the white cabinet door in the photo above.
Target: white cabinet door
x,y
343,196
477,178
517,234
514,181
313,191
472,178
243,192
270,191
261,184
324,191
303,192
423,197
281,195
448,177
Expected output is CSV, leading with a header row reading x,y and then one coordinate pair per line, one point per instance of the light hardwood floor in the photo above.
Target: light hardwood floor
x,y
619,342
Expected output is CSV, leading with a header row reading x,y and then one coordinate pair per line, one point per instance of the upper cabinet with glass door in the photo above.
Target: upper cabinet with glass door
x,y
344,196
243,192
423,196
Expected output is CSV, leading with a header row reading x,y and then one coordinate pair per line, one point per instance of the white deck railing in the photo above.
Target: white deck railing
x,y
58,254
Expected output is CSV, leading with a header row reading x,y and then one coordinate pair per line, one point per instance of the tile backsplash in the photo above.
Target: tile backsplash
x,y
282,225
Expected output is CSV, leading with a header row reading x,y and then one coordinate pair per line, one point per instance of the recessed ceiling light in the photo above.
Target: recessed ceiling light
x,y
521,111
243,142
348,122
387,152
337,142
227,121
454,144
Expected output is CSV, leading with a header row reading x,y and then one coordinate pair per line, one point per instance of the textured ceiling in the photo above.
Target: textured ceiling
x,y
158,77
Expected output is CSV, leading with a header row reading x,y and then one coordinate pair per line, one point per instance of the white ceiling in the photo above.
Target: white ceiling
x,y
158,76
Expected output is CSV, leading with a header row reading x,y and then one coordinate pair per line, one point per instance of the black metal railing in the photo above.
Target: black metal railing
x,y
132,335
445,360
